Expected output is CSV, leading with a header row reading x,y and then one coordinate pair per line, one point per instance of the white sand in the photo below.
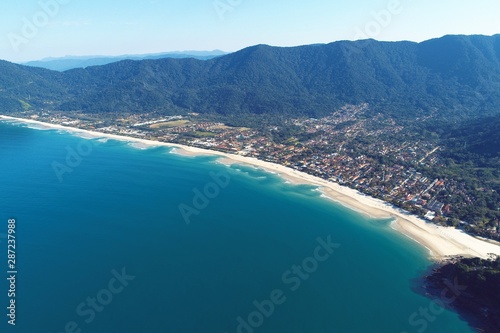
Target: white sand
x,y
440,241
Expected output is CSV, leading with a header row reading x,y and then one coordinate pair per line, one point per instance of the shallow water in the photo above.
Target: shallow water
x,y
103,245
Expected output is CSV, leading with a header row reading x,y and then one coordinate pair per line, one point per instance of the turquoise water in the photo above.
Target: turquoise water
x,y
106,248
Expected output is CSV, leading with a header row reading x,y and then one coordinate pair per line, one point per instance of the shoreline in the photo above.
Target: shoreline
x,y
441,242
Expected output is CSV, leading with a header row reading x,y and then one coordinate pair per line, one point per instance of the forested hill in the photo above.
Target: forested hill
x,y
66,63
453,77
470,286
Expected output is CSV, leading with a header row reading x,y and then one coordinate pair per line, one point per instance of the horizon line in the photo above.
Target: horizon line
x,y
51,58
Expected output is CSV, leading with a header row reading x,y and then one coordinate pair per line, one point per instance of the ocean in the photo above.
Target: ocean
x,y
112,237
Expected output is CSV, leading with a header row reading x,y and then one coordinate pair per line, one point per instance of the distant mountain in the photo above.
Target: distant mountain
x,y
454,78
72,62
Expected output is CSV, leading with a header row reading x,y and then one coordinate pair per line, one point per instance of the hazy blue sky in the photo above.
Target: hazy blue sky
x,y
30,30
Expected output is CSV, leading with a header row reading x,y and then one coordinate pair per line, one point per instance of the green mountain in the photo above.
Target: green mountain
x,y
24,87
70,62
455,77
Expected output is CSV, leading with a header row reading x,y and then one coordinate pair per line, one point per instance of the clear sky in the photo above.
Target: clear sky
x,y
35,29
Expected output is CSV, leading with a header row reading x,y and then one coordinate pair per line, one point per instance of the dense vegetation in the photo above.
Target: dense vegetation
x,y
66,63
472,287
479,140
455,77
472,156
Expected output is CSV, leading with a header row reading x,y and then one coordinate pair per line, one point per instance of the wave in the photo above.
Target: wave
x,y
141,145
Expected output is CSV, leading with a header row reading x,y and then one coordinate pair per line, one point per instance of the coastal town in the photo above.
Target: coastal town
x,y
346,148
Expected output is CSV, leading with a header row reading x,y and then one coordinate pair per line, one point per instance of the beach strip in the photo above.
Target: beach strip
x,y
441,242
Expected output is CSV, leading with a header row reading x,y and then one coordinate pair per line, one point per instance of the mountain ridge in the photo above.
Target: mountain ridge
x,y
65,63
454,76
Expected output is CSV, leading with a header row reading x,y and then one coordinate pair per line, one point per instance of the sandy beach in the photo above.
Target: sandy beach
x,y
440,241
